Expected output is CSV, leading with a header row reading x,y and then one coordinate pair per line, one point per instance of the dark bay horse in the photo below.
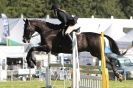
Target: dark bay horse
x,y
53,41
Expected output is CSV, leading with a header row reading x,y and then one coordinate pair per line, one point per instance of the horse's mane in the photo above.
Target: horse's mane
x,y
53,26
47,24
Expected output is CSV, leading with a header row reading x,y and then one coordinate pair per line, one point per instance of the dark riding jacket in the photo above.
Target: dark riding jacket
x,y
65,18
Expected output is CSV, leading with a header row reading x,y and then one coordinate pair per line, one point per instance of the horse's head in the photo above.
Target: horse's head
x,y
29,30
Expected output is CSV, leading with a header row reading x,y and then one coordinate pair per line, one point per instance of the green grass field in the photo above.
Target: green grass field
x,y
59,84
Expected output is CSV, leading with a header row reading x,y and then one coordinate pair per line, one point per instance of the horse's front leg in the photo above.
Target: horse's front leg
x,y
30,61
112,63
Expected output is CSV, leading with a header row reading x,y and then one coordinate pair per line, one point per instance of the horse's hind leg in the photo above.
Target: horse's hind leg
x,y
112,63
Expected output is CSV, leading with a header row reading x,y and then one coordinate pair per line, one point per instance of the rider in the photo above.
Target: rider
x,y
67,21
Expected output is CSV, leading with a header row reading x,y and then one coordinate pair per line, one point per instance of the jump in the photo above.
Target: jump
x,y
53,41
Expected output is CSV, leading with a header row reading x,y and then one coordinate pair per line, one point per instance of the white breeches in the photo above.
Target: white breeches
x,y
71,28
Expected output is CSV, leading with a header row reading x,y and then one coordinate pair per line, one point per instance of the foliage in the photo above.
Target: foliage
x,y
81,8
127,7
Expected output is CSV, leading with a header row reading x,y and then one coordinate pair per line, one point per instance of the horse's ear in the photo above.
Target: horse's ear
x,y
25,20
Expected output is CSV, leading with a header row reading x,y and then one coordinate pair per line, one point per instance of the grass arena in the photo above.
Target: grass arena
x,y
40,84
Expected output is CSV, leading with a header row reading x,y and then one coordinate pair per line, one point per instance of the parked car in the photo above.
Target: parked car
x,y
130,57
127,66
124,66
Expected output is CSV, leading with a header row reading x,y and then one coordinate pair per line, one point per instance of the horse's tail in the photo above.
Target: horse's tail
x,y
113,46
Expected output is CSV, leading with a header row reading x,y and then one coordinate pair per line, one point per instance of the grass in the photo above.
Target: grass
x,y
21,84
32,84
124,84
59,84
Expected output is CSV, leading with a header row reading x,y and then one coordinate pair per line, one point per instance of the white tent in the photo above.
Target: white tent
x,y
1,31
16,33
115,30
127,38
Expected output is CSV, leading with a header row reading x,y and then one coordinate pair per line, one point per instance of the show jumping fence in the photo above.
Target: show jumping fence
x,y
87,81
105,75
89,78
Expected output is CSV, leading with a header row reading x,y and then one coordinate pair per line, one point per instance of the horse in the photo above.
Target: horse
x,y
53,41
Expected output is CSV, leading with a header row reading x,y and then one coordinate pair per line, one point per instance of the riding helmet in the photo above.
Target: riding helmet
x,y
55,6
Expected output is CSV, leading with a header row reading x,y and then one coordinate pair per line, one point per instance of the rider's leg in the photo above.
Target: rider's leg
x,y
69,30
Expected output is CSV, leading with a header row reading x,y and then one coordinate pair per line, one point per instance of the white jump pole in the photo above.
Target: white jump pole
x,y
76,72
48,73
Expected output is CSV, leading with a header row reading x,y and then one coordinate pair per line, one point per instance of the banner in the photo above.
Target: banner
x,y
5,27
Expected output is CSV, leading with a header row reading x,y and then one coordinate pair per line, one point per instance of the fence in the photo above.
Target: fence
x,y
90,77
87,81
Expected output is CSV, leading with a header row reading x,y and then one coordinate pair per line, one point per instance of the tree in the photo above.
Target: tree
x,y
81,8
127,7
3,4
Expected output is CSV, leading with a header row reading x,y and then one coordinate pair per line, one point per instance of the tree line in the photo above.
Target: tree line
x,y
81,8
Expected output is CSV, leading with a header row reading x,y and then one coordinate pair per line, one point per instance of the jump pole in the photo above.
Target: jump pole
x,y
105,76
76,71
48,73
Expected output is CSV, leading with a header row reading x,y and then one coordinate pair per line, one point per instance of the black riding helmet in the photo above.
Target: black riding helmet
x,y
55,6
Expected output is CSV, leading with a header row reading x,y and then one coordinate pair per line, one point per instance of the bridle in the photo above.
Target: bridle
x,y
29,36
